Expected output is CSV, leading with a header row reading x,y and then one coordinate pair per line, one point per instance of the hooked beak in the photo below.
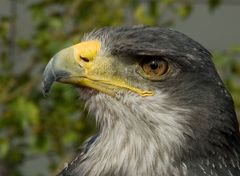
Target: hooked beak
x,y
57,69
81,65
69,65
52,74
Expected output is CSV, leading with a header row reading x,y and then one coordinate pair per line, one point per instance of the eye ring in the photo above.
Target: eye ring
x,y
154,68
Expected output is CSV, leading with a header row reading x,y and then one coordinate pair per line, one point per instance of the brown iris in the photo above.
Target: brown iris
x,y
154,68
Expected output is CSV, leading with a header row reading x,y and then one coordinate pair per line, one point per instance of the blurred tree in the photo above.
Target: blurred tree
x,y
32,125
228,65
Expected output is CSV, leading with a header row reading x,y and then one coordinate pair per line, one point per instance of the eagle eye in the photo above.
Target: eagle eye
x,y
154,67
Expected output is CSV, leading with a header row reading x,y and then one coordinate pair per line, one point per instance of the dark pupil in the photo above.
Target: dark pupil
x,y
153,65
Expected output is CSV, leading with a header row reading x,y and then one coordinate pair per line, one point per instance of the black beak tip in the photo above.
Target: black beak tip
x,y
46,86
45,90
49,77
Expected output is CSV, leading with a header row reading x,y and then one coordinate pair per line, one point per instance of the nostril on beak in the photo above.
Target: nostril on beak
x,y
84,59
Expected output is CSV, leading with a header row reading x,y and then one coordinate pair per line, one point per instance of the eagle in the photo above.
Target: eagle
x,y
161,109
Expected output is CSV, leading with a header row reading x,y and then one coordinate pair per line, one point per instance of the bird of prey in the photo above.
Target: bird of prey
x,y
161,108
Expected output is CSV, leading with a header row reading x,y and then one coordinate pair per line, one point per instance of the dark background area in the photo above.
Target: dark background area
x,y
38,134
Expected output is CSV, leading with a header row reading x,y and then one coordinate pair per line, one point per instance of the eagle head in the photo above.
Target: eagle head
x,y
161,108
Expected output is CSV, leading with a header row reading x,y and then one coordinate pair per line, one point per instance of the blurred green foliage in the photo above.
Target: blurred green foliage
x,y
32,125
228,65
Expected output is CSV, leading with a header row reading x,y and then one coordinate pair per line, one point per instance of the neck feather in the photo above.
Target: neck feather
x,y
134,138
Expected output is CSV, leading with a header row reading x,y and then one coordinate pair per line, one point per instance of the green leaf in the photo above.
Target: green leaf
x,y
24,44
4,143
213,4
185,10
142,17
25,112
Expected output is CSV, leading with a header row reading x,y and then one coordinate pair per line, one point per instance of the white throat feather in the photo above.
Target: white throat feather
x,y
136,135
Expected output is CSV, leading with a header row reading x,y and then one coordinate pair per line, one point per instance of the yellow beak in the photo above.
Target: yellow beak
x,y
82,65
